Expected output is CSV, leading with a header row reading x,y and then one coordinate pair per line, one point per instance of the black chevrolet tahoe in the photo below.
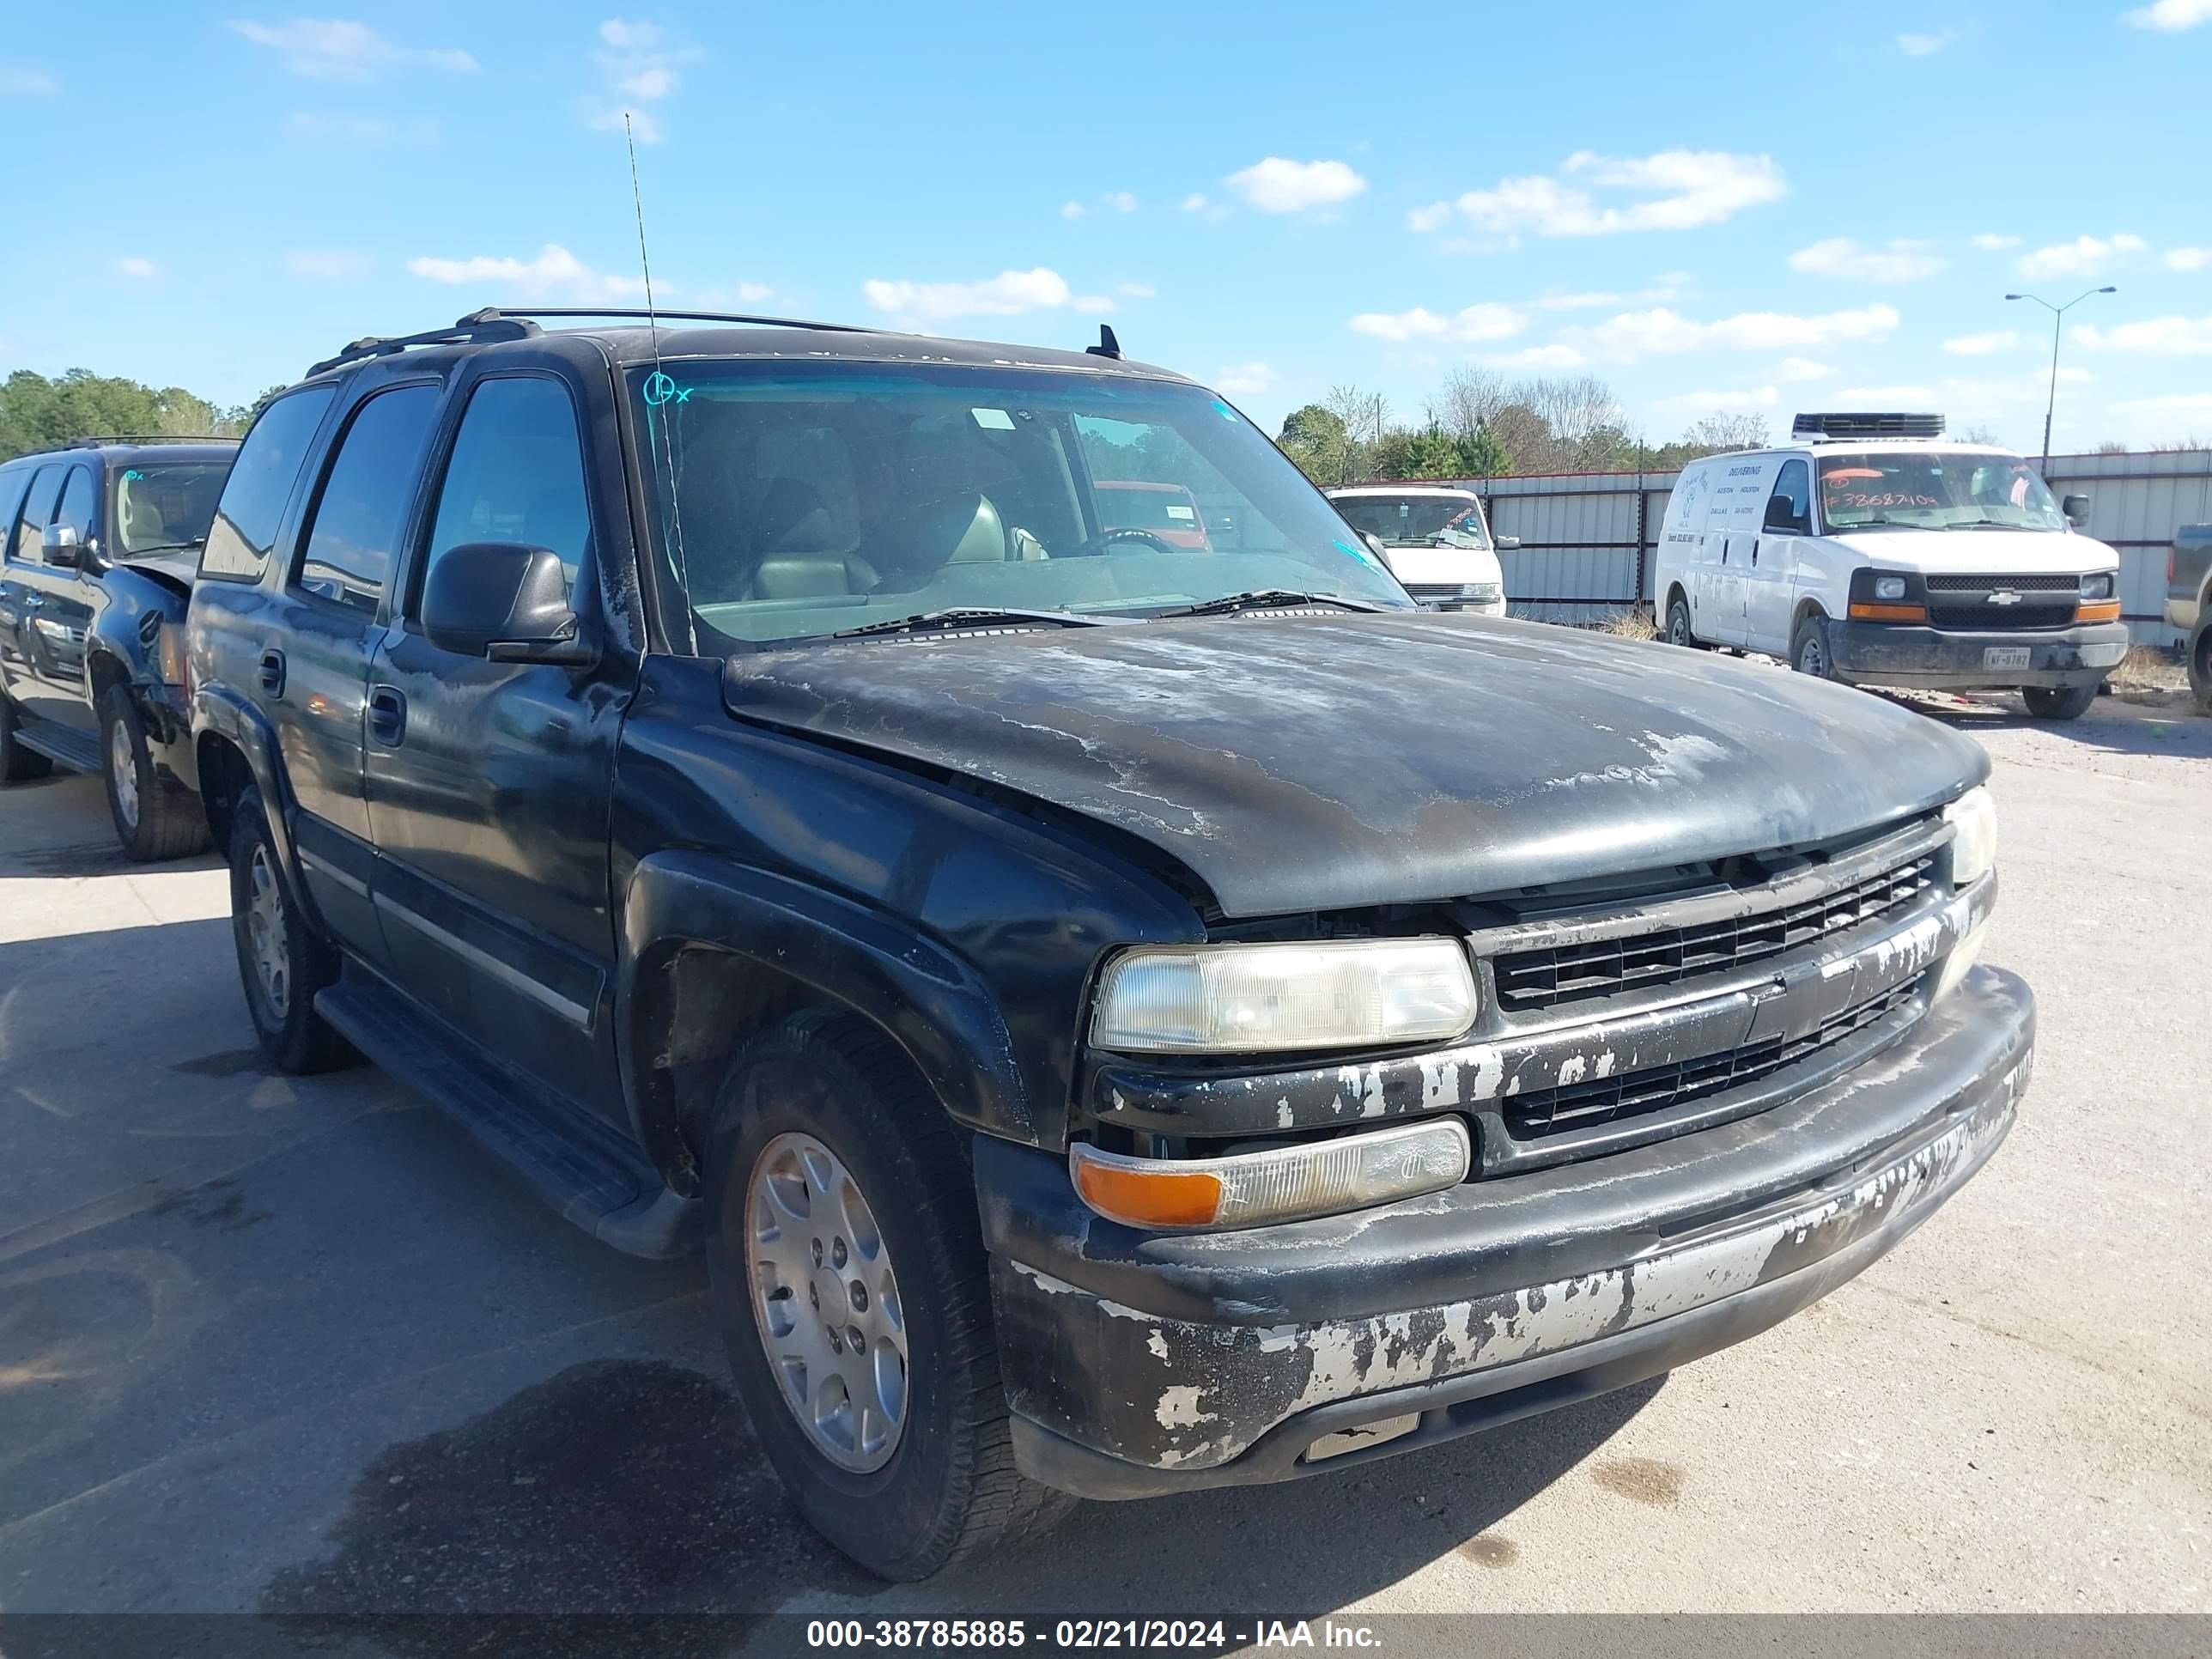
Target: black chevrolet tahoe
x,y
99,541
1120,1016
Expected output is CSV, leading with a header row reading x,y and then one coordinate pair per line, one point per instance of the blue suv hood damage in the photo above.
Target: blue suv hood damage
x,y
1294,764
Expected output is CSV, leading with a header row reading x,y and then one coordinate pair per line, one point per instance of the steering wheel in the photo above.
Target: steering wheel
x,y
1105,538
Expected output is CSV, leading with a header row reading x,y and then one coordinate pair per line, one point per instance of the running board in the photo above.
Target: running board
x,y
64,745
584,1170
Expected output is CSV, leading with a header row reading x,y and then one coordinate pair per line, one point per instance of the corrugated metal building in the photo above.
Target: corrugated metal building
x,y
1587,538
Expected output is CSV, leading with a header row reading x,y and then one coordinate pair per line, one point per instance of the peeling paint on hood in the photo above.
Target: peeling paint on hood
x,y
1325,762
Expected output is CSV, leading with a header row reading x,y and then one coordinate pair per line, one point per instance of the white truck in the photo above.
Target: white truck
x,y
1869,549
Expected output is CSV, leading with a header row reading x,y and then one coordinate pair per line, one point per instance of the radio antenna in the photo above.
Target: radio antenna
x,y
657,392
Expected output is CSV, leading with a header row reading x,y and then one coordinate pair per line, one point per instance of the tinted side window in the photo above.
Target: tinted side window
x,y
355,525
38,513
516,474
260,482
76,506
1795,487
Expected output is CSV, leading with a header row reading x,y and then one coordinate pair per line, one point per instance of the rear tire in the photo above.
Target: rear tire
x,y
1808,649
155,817
2200,665
283,962
823,1135
1678,624
2059,702
17,763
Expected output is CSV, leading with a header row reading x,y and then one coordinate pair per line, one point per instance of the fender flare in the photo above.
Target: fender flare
x,y
219,711
929,1001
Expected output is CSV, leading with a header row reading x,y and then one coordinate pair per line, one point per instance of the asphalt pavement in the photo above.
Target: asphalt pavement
x,y
296,1347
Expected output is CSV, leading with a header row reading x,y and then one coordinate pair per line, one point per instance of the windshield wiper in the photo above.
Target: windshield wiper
x,y
958,617
1263,598
1986,524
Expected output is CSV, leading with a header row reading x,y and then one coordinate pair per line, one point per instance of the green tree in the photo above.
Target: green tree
x,y
1317,440
36,412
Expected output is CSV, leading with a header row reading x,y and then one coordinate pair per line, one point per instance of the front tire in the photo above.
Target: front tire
x,y
832,1164
17,763
2200,665
155,817
1808,649
2059,702
283,962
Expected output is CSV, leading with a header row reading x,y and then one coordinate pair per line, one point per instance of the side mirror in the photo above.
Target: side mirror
x,y
60,546
2076,509
1506,543
1374,544
504,601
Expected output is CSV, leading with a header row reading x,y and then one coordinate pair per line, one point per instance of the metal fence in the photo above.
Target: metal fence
x,y
1588,539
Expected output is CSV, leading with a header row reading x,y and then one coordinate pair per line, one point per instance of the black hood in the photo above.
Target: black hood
x,y
1306,763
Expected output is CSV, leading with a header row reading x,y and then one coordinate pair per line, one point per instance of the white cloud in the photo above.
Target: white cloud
x,y
1009,294
1925,46
1700,402
2183,403
1136,291
1682,188
1634,334
139,267
27,81
1839,256
2172,15
555,271
1195,202
2188,258
335,49
639,62
1982,345
1991,242
1554,356
1277,185
1071,210
1435,216
2189,337
712,299
2085,256
1791,370
1476,323
1890,397
1244,379
1120,201
325,265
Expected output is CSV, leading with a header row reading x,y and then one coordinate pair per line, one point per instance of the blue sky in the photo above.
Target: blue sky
x,y
1748,208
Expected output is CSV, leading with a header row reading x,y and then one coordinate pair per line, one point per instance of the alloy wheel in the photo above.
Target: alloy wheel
x,y
265,930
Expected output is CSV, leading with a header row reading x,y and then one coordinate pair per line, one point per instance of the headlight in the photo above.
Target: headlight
x,y
1974,816
2099,586
1286,1184
1889,587
1352,994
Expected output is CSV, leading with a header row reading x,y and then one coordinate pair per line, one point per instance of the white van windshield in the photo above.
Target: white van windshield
x,y
1931,490
1412,520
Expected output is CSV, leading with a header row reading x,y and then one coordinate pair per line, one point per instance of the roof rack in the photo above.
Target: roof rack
x,y
1867,426
658,315
93,440
476,328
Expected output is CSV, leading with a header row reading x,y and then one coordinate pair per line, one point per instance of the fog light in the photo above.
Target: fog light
x,y
1284,1183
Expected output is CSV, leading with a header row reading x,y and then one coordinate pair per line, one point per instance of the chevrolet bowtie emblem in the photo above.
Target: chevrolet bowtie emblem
x,y
2003,596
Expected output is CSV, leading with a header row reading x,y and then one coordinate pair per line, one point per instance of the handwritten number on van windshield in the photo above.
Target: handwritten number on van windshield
x,y
1885,498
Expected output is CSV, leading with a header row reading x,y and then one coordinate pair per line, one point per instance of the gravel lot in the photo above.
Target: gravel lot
x,y
281,1346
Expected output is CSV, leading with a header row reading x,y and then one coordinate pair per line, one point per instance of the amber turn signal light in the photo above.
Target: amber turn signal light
x,y
2098,611
1888,613
1150,1198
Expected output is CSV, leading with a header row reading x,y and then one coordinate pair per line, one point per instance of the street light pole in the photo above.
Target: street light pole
x,y
2057,316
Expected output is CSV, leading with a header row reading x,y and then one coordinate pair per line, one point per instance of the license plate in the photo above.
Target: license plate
x,y
2004,656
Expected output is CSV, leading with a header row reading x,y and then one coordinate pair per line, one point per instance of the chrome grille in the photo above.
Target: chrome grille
x,y
1635,1094
1539,979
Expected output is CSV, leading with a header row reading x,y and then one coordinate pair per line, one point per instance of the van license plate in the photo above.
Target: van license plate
x,y
2004,656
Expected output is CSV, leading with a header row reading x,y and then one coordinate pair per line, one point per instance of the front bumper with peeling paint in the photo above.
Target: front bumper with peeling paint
x,y
1139,1364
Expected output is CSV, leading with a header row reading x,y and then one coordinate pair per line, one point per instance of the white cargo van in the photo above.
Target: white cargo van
x,y
1869,549
1435,540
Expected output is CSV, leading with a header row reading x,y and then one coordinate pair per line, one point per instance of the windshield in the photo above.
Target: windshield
x,y
1932,490
166,504
1416,520
791,501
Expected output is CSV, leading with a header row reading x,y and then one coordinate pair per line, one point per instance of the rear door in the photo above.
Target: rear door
x,y
14,595
489,783
25,644
54,638
323,631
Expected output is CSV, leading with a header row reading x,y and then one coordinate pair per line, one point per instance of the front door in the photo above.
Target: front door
x,y
315,685
1769,583
491,784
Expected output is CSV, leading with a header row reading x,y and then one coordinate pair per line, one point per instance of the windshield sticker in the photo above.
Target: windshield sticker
x,y
993,420
1182,513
